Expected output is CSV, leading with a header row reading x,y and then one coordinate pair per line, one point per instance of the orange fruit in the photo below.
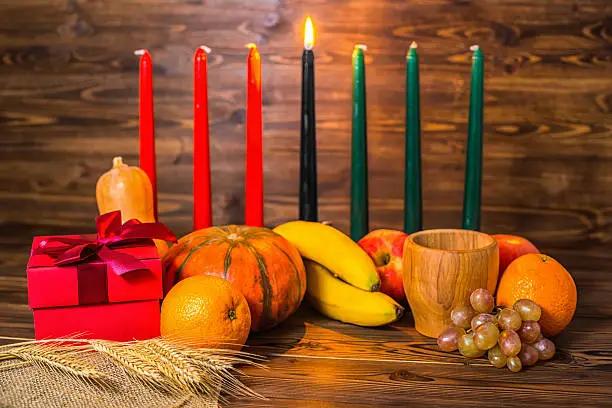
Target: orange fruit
x,y
540,278
206,311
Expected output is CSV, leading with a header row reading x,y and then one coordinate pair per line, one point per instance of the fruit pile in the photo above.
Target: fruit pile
x,y
511,337
255,278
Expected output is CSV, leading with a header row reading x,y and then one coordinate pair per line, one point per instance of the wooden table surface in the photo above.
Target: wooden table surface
x,y
68,104
314,361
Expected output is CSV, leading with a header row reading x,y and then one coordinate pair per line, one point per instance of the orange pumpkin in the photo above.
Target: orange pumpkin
x,y
127,189
264,266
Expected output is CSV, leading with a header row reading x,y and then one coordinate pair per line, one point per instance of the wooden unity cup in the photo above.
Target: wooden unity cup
x,y
441,269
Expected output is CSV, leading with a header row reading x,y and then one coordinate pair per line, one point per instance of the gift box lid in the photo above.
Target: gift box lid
x,y
144,249
91,282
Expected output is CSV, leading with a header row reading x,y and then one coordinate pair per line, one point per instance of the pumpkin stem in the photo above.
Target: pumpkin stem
x,y
117,161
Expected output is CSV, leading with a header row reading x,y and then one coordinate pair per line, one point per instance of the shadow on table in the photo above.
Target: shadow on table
x,y
308,331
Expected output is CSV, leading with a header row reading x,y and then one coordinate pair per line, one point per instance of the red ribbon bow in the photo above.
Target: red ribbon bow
x,y
111,234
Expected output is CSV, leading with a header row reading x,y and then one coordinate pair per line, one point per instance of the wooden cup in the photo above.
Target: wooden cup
x,y
441,269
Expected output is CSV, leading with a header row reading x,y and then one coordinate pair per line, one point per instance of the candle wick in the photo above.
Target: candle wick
x,y
205,48
474,48
140,52
361,47
414,45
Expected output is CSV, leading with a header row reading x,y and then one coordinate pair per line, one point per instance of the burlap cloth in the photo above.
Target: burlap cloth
x,y
31,386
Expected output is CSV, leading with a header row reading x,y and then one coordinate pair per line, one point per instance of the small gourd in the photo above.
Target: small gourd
x,y
127,189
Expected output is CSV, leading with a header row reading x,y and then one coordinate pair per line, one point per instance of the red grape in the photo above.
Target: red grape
x,y
510,343
509,319
546,349
529,331
461,316
448,340
528,355
482,301
528,309
483,318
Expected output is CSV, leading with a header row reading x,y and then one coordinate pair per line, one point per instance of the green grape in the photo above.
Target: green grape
x,y
486,336
461,316
467,346
546,349
509,319
483,318
514,364
496,357
529,331
528,355
448,340
528,309
482,301
510,343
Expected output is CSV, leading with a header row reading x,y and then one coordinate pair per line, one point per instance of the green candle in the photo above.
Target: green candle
x,y
359,149
413,206
473,167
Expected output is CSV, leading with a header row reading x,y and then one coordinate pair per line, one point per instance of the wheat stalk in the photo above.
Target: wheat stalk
x,y
213,367
57,358
175,366
134,363
221,365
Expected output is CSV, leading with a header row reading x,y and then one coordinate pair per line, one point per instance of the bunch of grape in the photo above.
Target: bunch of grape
x,y
511,337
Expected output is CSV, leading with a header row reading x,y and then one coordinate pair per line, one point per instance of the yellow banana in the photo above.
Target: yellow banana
x,y
341,301
331,248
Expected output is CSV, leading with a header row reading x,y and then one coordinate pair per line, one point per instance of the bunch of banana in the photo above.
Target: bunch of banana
x,y
342,281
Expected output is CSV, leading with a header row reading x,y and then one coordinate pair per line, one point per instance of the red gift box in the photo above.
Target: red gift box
x,y
106,287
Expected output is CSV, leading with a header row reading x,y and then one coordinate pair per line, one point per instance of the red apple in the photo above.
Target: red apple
x,y
510,248
385,247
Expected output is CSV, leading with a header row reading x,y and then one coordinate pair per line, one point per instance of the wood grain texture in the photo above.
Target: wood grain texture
x,y
442,267
68,105
68,98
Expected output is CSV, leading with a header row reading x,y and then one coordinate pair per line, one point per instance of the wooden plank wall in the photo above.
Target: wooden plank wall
x,y
68,104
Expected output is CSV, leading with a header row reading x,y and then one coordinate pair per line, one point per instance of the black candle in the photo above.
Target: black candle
x,y
308,154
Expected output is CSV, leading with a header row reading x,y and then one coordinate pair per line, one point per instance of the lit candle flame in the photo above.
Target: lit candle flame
x,y
308,34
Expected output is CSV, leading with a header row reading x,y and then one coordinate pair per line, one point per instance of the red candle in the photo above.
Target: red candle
x,y
254,149
202,213
147,128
